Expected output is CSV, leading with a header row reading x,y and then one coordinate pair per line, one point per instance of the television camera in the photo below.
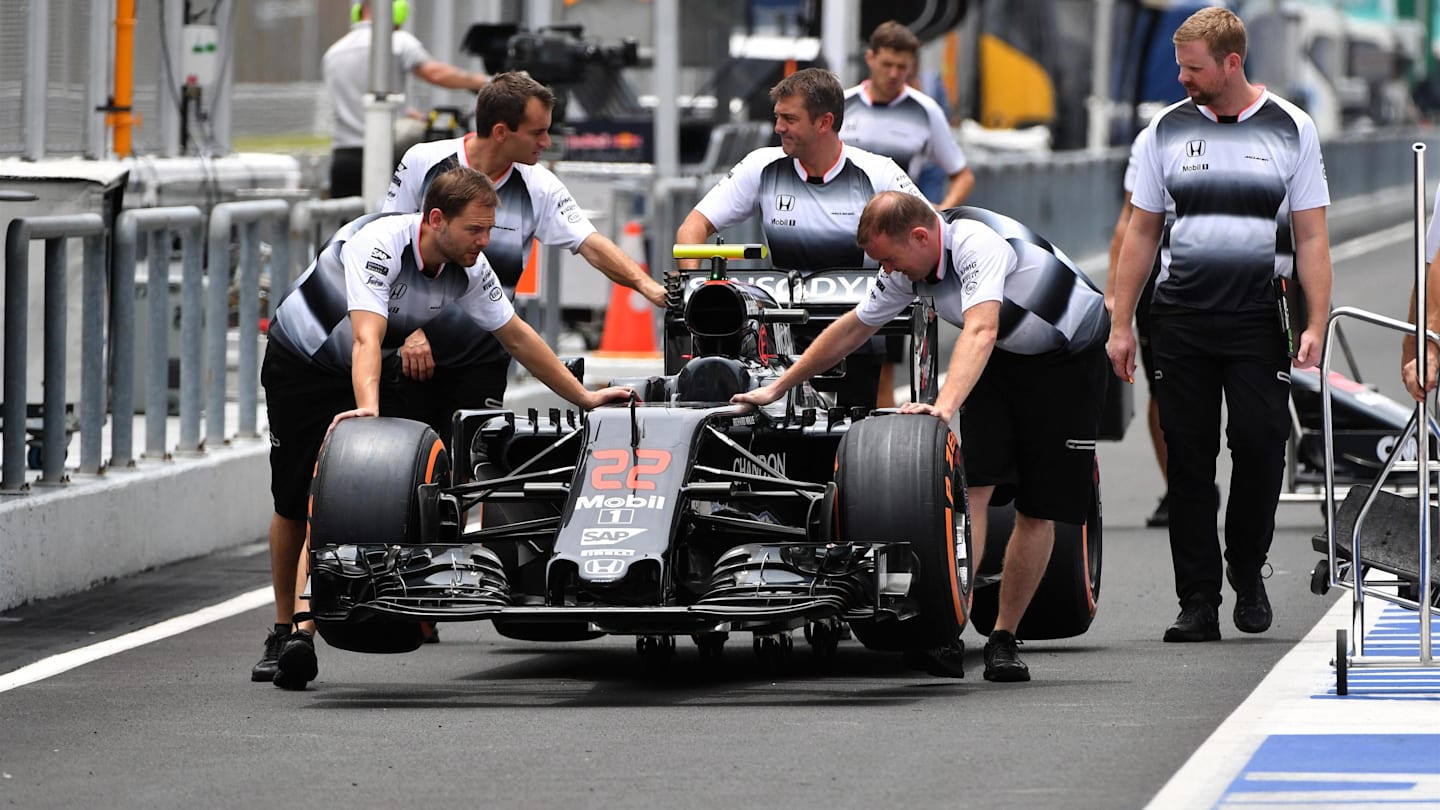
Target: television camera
x,y
559,57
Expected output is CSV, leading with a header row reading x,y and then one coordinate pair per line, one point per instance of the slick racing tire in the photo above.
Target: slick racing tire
x,y
1067,596
900,479
527,578
364,494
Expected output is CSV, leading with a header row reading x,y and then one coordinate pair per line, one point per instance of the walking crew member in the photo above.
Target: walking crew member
x,y
1232,178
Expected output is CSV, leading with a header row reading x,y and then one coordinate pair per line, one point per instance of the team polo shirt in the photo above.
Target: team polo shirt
x,y
1132,166
1227,190
1046,303
373,264
809,222
910,130
534,204
346,68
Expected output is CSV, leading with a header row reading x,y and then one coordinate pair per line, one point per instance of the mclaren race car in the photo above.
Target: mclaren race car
x,y
679,513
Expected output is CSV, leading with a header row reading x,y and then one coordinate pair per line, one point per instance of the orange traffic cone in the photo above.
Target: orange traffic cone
x,y
630,319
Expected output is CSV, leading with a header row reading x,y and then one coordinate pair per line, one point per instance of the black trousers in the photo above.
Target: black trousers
x,y
1198,357
347,168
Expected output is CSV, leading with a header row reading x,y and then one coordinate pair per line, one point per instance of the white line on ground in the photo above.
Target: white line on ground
x,y
56,664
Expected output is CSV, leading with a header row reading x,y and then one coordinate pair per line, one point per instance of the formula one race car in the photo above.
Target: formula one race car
x,y
680,513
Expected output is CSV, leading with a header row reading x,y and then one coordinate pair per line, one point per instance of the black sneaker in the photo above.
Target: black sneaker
x,y
1198,621
1161,516
297,665
264,669
1252,605
1002,659
947,661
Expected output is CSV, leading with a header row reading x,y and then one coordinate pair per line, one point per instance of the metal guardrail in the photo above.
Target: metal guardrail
x,y
311,224
55,231
156,224
248,215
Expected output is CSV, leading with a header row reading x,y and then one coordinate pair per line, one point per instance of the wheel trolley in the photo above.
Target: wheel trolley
x,y
1376,540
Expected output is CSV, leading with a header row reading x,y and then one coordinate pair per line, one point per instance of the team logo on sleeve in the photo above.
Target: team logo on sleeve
x,y
969,273
496,293
377,253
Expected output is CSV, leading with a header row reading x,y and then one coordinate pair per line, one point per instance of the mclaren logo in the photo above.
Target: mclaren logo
x,y
784,202
1195,148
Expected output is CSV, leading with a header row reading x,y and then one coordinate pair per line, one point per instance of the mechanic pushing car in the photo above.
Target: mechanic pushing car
x,y
1031,324
808,192
512,122
350,323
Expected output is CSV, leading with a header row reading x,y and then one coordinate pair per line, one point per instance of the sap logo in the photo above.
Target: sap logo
x,y
611,502
607,552
604,568
607,537
377,253
775,460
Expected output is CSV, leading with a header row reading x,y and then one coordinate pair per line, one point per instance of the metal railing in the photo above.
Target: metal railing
x,y
156,224
55,231
248,215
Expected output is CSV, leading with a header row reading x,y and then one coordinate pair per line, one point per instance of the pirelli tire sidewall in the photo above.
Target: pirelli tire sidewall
x,y
364,493
1068,596
900,479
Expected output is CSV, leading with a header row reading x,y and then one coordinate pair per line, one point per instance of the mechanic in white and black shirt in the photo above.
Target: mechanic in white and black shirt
x,y
362,301
809,193
1029,367
885,115
512,122
1233,180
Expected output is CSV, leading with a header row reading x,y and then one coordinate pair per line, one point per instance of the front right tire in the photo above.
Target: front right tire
x,y
900,478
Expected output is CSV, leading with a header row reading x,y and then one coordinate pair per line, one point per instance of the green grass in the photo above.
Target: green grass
x,y
287,142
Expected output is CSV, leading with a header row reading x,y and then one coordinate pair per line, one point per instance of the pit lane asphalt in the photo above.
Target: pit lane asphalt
x,y
483,721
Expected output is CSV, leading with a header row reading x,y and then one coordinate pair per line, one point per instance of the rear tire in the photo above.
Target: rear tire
x,y
1066,599
364,493
900,479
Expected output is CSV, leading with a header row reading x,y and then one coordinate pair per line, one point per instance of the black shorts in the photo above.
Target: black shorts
x,y
435,400
300,401
1030,423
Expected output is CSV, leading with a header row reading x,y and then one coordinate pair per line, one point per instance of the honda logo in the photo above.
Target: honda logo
x,y
784,202
1195,148
604,567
